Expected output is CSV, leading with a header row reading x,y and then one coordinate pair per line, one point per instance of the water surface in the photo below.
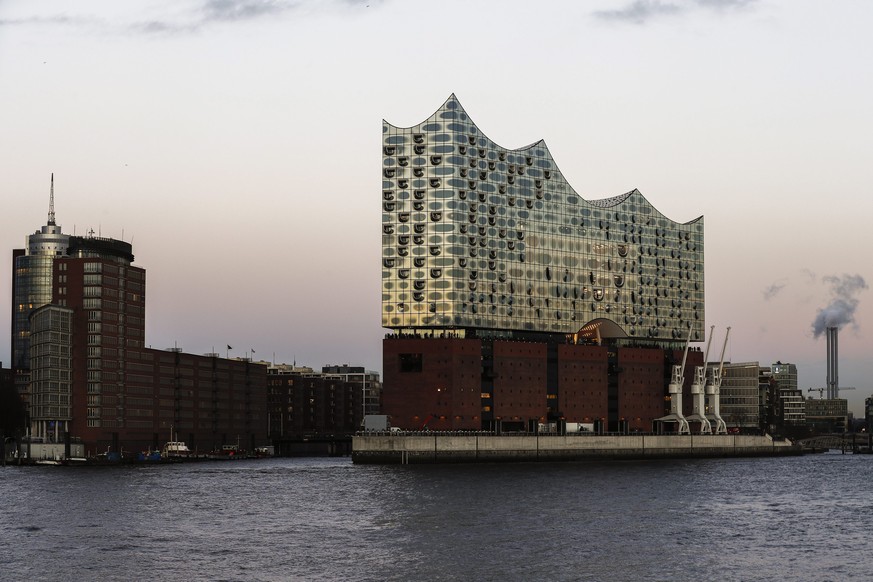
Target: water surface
x,y
798,518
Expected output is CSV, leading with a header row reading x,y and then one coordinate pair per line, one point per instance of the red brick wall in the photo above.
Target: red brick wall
x,y
582,379
641,387
445,393
519,380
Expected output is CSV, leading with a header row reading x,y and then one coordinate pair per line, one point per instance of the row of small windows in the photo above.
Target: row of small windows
x,y
419,148
403,161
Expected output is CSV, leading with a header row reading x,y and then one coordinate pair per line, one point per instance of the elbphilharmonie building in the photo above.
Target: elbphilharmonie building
x,y
477,236
512,301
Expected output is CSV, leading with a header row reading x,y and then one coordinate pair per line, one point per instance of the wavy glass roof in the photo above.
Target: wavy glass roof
x,y
479,236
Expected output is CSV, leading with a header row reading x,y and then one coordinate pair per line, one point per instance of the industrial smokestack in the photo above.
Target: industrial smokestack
x,y
844,301
833,385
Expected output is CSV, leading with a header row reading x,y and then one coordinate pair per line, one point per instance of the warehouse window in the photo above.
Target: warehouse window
x,y
410,363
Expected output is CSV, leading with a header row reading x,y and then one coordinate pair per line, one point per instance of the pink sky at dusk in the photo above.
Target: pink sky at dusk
x,y
236,144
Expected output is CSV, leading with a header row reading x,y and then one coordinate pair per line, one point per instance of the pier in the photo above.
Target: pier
x,y
486,447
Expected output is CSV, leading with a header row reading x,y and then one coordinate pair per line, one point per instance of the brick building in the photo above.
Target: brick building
x,y
511,300
322,410
79,340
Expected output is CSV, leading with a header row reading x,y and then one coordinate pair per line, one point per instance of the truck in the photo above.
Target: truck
x,y
376,423
576,427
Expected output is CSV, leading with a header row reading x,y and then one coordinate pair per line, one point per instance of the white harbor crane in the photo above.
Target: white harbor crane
x,y
713,390
675,393
698,402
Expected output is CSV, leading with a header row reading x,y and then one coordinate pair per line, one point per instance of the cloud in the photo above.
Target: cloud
x,y
841,309
62,19
643,11
196,16
235,10
773,290
724,4
640,11
209,12
158,27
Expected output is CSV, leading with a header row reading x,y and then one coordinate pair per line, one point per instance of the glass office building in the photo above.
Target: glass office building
x,y
32,284
482,239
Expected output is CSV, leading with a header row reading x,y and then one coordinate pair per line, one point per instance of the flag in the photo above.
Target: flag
x,y
253,350
230,348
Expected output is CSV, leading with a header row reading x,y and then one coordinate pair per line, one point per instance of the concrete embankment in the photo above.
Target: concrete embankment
x,y
478,448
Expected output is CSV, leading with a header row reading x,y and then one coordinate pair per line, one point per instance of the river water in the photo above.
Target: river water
x,y
798,518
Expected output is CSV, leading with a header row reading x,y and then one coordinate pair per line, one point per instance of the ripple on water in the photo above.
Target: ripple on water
x,y
305,519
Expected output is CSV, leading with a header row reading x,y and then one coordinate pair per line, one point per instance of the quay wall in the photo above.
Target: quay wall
x,y
478,448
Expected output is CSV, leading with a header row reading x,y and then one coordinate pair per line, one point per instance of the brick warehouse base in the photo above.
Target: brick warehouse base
x,y
448,383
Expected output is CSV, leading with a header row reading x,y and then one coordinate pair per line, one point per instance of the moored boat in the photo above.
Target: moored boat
x,y
175,449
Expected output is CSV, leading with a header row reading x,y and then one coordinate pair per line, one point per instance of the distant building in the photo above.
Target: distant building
x,y
827,415
513,301
792,409
868,413
785,375
369,381
12,419
311,407
90,378
741,396
790,399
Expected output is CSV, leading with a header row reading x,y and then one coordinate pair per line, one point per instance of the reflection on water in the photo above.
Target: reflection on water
x,y
326,519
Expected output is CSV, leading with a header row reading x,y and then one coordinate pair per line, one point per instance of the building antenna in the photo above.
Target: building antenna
x,y
51,216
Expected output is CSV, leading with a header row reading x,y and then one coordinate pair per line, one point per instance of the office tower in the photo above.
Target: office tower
x,y
32,288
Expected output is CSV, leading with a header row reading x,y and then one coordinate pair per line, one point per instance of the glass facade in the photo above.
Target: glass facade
x,y
740,398
478,236
51,372
32,285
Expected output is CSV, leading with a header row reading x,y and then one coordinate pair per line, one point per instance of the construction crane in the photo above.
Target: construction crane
x,y
821,391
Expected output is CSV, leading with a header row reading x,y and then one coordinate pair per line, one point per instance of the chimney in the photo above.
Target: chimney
x,y
833,386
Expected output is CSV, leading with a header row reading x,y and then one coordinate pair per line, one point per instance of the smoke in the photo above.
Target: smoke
x,y
773,290
841,310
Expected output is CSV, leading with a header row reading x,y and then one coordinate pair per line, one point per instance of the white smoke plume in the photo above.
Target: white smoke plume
x,y
844,301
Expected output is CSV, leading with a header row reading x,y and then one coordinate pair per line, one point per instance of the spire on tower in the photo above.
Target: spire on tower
x,y
51,217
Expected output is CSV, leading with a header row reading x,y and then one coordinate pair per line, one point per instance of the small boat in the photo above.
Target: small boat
x,y
175,449
149,456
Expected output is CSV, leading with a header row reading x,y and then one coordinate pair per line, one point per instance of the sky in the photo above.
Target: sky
x,y
237,145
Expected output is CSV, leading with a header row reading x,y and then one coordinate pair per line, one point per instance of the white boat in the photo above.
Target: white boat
x,y
175,449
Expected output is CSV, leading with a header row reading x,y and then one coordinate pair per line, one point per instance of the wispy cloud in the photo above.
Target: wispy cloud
x,y
195,16
773,290
639,12
644,11
724,4
62,19
210,12
235,10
